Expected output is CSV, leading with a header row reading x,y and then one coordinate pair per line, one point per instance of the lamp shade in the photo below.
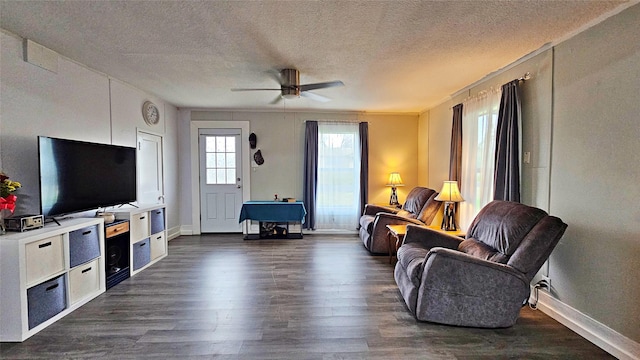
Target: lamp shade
x,y
450,192
395,180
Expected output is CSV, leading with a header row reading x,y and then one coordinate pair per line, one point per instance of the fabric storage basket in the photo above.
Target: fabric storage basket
x,y
157,221
141,254
84,245
46,300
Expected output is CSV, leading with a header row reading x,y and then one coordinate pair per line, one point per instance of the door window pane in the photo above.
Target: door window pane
x,y
210,144
211,160
231,161
220,163
220,159
220,143
231,144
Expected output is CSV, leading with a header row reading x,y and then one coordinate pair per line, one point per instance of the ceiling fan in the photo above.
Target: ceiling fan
x,y
290,87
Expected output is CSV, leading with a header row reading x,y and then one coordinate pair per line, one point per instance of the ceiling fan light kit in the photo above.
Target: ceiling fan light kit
x,y
290,87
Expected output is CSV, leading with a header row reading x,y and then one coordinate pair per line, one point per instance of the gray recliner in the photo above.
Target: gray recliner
x,y
484,279
419,208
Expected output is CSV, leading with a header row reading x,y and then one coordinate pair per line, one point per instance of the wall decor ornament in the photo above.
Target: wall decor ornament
x,y
150,113
253,140
257,157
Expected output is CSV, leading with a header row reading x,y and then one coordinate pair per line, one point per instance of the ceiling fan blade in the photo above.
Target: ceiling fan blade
x,y
275,75
321,85
252,89
315,97
276,100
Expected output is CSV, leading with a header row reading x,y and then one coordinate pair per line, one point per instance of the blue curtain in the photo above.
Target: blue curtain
x,y
310,172
506,180
455,153
364,165
455,161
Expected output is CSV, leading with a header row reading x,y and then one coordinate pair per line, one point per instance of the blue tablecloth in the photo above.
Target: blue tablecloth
x,y
273,211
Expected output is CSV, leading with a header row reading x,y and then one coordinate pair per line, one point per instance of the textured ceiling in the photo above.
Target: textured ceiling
x,y
393,56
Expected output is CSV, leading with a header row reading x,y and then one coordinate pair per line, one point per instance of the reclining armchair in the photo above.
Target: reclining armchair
x,y
420,208
484,279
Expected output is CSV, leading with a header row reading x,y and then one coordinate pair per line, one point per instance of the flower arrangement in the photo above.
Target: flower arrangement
x,y
7,186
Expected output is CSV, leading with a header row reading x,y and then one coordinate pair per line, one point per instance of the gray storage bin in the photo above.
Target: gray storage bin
x,y
141,254
46,300
84,245
157,221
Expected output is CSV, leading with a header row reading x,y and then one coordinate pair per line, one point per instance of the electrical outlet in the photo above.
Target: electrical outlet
x,y
548,281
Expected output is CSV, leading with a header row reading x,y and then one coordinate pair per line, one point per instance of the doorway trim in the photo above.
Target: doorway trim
x,y
195,127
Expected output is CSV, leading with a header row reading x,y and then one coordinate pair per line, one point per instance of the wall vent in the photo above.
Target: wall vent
x,y
39,55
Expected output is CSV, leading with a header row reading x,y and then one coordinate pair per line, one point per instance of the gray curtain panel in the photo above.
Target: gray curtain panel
x,y
364,165
455,161
506,180
310,172
455,154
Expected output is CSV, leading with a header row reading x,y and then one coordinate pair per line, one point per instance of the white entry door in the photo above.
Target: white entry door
x,y
149,158
220,180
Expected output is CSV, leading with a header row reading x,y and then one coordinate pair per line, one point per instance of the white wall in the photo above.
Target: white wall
x,y
392,147
580,114
595,172
171,169
36,102
75,103
126,113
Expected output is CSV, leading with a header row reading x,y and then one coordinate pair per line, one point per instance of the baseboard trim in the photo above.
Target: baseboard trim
x,y
599,334
173,233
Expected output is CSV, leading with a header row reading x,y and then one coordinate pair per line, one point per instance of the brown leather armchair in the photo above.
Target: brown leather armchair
x,y
483,280
419,209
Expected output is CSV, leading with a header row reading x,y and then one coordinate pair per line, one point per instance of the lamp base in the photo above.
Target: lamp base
x,y
394,197
449,217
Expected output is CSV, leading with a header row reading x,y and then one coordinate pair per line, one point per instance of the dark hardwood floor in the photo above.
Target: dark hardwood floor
x,y
321,297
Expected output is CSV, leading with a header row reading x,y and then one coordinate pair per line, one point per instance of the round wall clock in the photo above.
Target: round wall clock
x,y
150,113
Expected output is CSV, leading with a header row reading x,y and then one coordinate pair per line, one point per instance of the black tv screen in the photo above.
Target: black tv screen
x,y
78,176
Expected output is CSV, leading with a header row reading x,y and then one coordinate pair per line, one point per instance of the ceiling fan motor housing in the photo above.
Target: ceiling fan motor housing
x,y
290,83
290,87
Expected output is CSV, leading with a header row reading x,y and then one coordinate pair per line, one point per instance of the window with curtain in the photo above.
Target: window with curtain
x,y
338,187
479,124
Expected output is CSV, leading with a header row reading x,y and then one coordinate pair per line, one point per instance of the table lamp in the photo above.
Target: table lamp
x,y
450,194
394,181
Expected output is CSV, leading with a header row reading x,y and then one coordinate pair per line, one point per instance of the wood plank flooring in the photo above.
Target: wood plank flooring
x,y
321,297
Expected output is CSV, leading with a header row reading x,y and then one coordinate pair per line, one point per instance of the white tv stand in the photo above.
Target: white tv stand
x,y
47,273
147,234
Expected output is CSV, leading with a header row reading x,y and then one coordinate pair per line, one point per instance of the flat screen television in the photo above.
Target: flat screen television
x,y
79,176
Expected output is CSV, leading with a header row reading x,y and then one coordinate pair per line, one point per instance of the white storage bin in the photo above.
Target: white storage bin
x,y
44,258
139,226
84,280
158,245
